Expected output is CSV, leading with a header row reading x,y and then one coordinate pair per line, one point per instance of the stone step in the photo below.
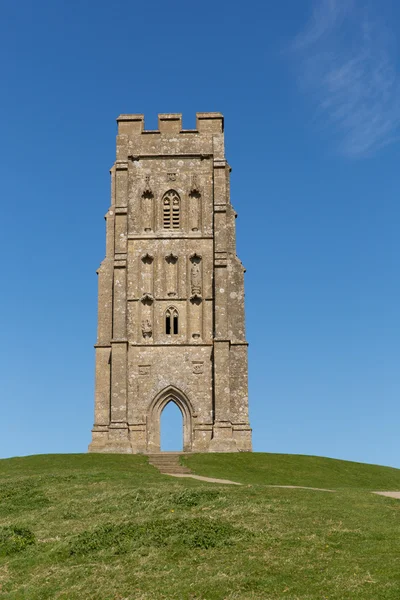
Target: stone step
x,y
168,463
156,459
164,462
171,471
171,466
166,456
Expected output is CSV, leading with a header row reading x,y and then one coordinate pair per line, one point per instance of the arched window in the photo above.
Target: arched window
x,y
171,210
171,321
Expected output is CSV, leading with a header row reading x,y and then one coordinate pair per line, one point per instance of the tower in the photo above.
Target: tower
x,y
171,323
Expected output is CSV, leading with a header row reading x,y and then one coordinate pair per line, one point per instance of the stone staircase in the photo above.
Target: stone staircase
x,y
168,462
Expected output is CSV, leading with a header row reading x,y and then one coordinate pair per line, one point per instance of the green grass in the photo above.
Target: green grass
x,y
288,469
110,527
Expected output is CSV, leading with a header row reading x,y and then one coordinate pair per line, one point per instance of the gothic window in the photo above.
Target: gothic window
x,y
171,210
171,321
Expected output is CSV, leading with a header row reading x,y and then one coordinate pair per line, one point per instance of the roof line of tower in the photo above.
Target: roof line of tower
x,y
206,122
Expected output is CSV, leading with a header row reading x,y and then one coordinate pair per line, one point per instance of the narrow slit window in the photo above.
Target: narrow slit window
x,y
171,210
171,321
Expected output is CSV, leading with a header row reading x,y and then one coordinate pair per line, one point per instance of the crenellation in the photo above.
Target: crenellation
x,y
210,122
171,293
130,124
170,123
206,123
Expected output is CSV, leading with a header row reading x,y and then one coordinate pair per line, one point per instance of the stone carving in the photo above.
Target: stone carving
x,y
194,188
147,188
147,278
144,369
147,258
171,176
147,206
147,329
195,279
198,367
171,258
171,274
194,207
147,299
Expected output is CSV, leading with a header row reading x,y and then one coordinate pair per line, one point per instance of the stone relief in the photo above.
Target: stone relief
x,y
147,188
195,277
144,369
147,258
195,188
147,329
171,258
198,367
147,299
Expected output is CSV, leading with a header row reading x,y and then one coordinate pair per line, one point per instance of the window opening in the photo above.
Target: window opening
x,y
171,321
171,210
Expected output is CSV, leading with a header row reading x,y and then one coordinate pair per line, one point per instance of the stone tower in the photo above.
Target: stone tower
x,y
171,321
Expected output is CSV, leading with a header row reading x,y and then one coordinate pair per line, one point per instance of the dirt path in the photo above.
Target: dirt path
x,y
389,494
227,481
210,479
301,487
290,487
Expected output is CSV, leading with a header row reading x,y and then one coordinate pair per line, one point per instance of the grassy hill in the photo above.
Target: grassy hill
x,y
110,527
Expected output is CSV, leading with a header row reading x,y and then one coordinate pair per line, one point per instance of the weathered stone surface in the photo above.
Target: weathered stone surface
x,y
171,323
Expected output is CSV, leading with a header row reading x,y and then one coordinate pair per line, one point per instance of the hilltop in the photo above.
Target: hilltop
x,y
111,527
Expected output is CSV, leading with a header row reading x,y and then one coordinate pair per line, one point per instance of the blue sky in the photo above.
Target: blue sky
x,y
311,97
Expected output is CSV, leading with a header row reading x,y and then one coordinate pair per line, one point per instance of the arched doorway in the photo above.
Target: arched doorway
x,y
169,394
171,428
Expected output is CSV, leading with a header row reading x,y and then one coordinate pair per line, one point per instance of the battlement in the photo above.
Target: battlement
x,y
206,122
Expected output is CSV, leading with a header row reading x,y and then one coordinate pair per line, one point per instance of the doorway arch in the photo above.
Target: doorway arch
x,y
171,428
169,394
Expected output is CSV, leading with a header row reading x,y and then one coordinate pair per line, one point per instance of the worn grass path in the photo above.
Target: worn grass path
x,y
109,527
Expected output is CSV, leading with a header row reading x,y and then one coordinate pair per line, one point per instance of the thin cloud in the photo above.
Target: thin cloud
x,y
347,64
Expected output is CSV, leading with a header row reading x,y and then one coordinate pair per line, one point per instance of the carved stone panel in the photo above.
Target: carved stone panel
x,y
147,328
147,206
196,278
147,212
147,274
144,370
196,318
198,367
194,211
171,275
